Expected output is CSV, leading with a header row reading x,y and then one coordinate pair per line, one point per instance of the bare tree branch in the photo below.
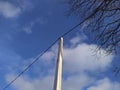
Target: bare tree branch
x,y
104,18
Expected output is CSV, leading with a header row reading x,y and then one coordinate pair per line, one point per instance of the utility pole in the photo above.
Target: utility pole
x,y
58,73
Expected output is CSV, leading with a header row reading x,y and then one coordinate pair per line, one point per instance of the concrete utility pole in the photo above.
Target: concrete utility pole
x,y
58,73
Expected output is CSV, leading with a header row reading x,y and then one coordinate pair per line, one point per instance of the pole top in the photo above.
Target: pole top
x,y
61,38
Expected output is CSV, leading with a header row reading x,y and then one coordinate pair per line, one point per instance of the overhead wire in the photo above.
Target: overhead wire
x,y
37,58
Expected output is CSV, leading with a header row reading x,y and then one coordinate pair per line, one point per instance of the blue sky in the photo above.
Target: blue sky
x,y
28,27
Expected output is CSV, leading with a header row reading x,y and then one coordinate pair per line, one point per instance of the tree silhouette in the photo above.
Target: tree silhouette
x,y
103,17
103,21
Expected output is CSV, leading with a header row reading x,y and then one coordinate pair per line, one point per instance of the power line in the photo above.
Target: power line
x,y
37,58
70,30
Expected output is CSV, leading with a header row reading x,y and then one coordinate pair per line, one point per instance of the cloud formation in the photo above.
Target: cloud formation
x,y
26,83
77,82
77,60
29,28
8,10
105,84
81,58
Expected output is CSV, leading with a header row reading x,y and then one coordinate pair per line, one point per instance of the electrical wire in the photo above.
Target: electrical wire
x,y
73,28
37,58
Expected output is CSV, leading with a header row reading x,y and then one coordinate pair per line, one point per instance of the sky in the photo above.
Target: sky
x,y
28,27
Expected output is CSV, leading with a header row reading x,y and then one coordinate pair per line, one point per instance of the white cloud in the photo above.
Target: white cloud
x,y
9,59
48,56
105,84
78,39
8,10
26,83
81,58
28,30
76,61
77,82
25,5
75,40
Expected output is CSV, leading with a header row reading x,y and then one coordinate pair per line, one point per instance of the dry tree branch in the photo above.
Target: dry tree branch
x,y
104,16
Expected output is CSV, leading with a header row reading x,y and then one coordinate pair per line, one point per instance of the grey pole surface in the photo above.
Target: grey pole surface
x,y
58,73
